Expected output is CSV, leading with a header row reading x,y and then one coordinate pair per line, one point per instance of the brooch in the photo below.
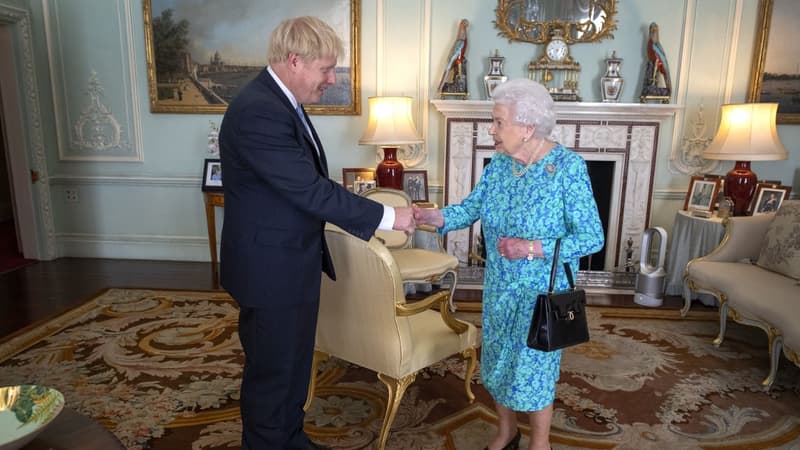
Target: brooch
x,y
550,168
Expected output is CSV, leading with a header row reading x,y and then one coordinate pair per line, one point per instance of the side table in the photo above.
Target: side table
x,y
691,237
73,430
212,200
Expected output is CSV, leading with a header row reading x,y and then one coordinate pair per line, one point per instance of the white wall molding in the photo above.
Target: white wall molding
x,y
693,132
181,182
134,246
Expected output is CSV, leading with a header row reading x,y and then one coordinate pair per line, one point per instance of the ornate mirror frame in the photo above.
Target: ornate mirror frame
x,y
534,20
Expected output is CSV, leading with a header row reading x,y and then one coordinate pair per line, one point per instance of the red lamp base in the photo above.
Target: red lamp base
x,y
389,173
740,184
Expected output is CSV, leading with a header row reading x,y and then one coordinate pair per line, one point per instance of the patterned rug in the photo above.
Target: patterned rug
x,y
160,369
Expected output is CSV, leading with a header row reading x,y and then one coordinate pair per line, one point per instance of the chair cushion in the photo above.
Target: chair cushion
x,y
780,248
751,290
421,264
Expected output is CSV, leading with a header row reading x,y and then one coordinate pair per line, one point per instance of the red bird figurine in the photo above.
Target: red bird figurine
x,y
456,56
656,55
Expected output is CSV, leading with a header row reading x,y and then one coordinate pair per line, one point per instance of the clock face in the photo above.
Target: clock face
x,y
557,50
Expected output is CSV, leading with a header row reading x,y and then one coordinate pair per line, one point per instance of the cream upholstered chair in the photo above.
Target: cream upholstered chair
x,y
417,265
364,319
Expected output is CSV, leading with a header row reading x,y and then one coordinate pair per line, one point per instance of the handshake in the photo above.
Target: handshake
x,y
407,219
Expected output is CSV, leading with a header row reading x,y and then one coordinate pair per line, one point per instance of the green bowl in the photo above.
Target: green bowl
x,y
25,411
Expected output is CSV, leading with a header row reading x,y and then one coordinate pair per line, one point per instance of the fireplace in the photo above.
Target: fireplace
x,y
619,143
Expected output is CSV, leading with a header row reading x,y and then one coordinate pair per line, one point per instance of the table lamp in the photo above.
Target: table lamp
x,y
747,132
390,125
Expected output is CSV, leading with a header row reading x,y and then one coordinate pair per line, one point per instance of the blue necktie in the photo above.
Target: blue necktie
x,y
302,116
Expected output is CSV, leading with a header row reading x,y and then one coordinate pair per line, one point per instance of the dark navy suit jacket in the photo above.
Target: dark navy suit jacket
x,y
277,199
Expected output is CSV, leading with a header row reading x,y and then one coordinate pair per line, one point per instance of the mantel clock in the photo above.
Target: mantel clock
x,y
556,69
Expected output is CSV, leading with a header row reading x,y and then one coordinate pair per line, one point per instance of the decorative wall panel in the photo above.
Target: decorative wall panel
x,y
92,73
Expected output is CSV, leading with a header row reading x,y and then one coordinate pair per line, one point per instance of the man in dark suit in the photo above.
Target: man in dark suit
x,y
278,198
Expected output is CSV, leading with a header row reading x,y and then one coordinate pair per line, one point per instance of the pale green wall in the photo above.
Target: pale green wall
x,y
153,208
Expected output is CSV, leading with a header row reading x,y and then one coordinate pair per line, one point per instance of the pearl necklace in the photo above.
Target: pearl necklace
x,y
519,173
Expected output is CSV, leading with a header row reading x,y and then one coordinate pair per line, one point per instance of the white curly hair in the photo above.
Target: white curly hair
x,y
530,104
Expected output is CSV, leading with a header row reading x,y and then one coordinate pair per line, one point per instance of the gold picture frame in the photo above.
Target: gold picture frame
x,y
358,179
204,84
779,87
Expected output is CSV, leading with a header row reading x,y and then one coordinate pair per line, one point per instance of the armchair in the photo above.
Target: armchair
x,y
416,265
364,319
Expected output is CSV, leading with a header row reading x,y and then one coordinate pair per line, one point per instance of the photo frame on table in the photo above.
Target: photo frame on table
x,y
774,75
197,61
415,184
212,175
702,193
768,198
358,179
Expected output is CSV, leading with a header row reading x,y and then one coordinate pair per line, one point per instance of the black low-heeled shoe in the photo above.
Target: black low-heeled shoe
x,y
513,444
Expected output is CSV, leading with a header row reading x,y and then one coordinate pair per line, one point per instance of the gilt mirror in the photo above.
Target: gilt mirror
x,y
534,20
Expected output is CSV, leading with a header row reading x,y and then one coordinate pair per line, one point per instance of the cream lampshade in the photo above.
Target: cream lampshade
x,y
390,124
747,132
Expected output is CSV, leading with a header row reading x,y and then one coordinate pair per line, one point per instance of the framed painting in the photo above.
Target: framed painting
x,y
702,194
358,179
212,175
199,58
768,198
415,184
775,74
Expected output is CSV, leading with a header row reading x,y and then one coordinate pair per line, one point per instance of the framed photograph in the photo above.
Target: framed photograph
x,y
212,175
415,184
199,58
702,194
768,198
358,179
775,75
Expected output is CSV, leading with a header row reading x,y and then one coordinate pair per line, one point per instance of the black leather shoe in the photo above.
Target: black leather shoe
x,y
513,444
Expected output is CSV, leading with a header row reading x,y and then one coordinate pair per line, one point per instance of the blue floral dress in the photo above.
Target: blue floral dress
x,y
552,199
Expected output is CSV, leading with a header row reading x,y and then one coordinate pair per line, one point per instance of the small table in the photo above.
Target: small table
x,y
212,200
72,430
692,237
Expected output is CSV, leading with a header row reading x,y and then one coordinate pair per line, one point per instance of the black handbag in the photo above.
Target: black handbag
x,y
559,318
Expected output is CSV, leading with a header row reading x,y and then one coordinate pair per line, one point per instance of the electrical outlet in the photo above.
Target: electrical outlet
x,y
71,194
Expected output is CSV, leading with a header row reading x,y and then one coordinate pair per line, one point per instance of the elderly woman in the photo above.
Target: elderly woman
x,y
533,192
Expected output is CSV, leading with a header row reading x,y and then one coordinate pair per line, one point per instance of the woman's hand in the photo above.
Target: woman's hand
x,y
514,248
428,216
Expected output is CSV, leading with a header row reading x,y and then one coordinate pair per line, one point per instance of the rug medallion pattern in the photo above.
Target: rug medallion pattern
x,y
161,369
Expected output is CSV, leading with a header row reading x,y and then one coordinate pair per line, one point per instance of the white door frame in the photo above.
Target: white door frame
x,y
24,137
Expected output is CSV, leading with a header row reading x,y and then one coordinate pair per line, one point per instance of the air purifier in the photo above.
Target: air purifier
x,y
652,276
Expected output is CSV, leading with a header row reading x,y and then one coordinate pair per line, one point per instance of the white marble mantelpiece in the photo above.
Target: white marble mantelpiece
x,y
611,111
623,133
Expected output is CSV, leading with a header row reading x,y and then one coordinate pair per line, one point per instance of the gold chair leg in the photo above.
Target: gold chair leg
x,y
472,360
312,381
396,390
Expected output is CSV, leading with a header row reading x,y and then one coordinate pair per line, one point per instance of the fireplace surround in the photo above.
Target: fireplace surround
x,y
625,135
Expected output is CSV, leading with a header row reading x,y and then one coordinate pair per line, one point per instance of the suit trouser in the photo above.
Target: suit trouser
x,y
278,347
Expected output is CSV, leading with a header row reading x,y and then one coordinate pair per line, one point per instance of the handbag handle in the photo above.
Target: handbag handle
x,y
554,268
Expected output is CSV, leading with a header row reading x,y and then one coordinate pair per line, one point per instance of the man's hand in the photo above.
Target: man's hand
x,y
404,220
428,216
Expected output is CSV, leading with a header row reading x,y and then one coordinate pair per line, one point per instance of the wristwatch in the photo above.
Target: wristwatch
x,y
530,251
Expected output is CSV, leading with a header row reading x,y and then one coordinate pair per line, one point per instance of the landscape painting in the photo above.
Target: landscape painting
x,y
200,53
776,62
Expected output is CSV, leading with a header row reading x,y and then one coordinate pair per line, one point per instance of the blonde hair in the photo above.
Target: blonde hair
x,y
308,37
530,103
